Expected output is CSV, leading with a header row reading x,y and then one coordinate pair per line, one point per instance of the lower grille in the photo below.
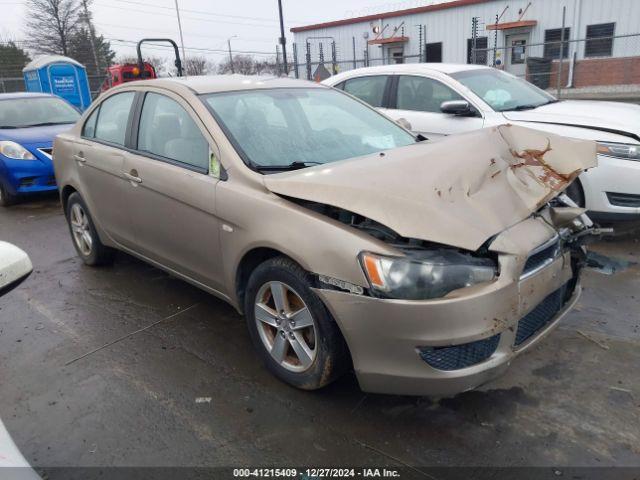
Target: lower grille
x,y
540,316
48,181
460,356
624,200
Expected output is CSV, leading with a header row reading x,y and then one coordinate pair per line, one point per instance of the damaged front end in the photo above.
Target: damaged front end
x,y
480,253
445,204
452,208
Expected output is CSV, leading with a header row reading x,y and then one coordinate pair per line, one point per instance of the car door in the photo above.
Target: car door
x,y
171,194
99,154
417,99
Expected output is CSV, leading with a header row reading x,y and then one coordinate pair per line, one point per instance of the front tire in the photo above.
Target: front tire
x,y
84,234
290,327
6,199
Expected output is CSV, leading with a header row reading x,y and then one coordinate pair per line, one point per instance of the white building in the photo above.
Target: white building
x,y
508,32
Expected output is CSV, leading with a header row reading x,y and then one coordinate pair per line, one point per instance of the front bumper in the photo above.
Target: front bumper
x,y
21,177
612,190
386,337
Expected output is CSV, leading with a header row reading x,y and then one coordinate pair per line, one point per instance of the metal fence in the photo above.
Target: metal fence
x,y
604,62
16,84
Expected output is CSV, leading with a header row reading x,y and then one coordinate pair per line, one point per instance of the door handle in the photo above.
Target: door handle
x,y
80,158
132,176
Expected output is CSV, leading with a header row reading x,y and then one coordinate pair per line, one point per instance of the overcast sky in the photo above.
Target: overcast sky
x,y
207,24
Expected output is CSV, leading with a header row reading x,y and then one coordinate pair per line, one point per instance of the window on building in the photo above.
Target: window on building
x,y
599,40
552,39
434,52
482,44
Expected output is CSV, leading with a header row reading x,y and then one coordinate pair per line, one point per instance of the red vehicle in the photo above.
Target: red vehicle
x,y
128,72
138,71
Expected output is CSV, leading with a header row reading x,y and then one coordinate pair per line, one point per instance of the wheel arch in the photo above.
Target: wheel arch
x,y
578,185
65,193
248,263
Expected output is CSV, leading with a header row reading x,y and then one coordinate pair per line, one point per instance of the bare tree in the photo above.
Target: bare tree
x,y
51,24
248,65
197,65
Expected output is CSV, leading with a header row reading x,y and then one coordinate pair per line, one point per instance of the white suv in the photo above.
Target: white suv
x,y
442,99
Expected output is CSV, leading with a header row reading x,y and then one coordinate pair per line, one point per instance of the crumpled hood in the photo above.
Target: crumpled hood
x,y
459,191
616,116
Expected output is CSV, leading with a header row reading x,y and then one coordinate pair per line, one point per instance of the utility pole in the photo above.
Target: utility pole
x,y
184,57
233,70
562,40
92,34
283,40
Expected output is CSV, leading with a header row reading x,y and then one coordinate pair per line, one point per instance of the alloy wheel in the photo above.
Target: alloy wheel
x,y
286,326
81,230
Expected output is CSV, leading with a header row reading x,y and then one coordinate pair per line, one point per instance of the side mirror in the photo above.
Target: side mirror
x,y
15,267
457,107
404,123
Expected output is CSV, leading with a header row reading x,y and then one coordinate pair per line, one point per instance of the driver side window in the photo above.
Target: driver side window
x,y
168,131
423,94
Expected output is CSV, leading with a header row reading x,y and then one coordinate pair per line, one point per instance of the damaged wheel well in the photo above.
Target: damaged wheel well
x,y
575,191
247,265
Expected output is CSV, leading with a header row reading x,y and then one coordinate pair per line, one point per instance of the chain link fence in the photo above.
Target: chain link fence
x,y
16,84
605,63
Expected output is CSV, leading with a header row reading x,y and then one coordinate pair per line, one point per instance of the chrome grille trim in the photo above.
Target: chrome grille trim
x,y
553,245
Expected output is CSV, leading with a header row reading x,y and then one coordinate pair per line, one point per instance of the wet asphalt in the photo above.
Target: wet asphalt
x,y
189,390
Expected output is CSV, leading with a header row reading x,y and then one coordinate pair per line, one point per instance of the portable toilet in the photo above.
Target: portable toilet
x,y
61,76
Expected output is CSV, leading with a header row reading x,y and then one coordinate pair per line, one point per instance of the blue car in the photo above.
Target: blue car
x,y
28,124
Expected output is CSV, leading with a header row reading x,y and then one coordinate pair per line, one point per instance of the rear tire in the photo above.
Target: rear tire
x,y
84,235
302,346
6,199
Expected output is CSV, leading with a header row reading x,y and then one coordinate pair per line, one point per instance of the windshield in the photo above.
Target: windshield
x,y
503,91
301,127
30,112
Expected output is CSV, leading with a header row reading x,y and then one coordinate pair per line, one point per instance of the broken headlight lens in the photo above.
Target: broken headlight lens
x,y
619,150
425,274
15,151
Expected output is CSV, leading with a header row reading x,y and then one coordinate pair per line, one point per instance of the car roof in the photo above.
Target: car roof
x,y
445,68
224,83
12,96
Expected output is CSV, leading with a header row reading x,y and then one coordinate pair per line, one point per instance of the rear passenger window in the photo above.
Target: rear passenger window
x,y
167,130
114,116
367,89
423,94
89,129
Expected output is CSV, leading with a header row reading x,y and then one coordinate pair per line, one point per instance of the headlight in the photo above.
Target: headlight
x,y
15,151
619,150
425,274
